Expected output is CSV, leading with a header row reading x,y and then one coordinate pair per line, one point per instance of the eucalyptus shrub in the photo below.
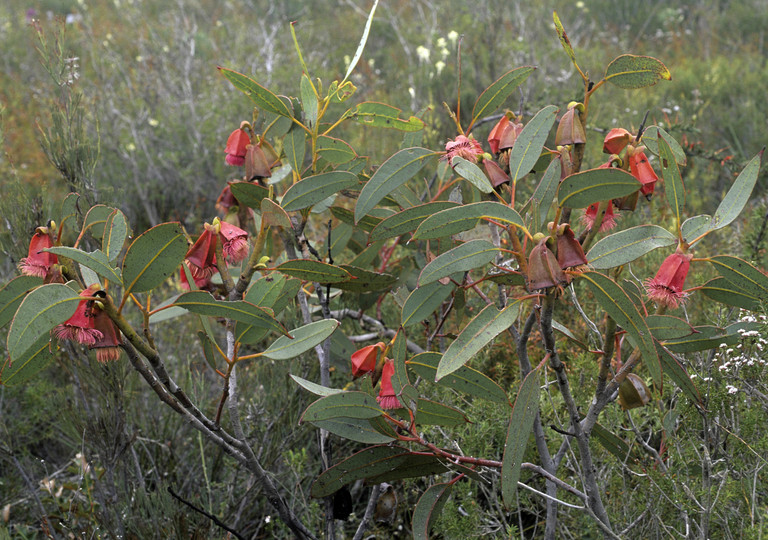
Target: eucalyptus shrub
x,y
442,255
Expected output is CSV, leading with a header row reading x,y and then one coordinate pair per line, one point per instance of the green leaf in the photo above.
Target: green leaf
x,y
203,303
308,100
295,148
651,141
584,188
423,301
354,429
743,275
677,373
614,444
334,151
116,230
694,227
393,173
472,173
709,337
365,280
309,270
617,304
723,291
464,379
343,405
367,223
374,114
564,41
304,339
153,257
313,189
428,508
495,95
629,71
96,218
69,208
96,261
430,413
465,217
625,246
363,40
738,196
665,327
529,144
12,294
40,311
467,256
478,333
541,200
249,194
375,463
24,367
315,388
272,214
407,220
263,98
674,188
520,426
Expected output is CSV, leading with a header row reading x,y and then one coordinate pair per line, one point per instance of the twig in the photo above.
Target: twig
x,y
368,512
213,518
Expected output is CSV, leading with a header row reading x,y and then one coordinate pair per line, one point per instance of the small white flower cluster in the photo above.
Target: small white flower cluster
x,y
746,358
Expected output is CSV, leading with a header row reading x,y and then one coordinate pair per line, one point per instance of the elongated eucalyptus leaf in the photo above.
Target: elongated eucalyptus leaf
x,y
428,508
584,188
96,261
363,41
25,366
540,202
618,305
742,275
465,217
467,256
694,227
677,373
249,194
495,95
478,333
529,144
315,388
116,230
313,189
709,337
12,293
651,141
308,100
464,379
272,214
343,405
354,429
674,188
423,301
374,114
630,71
302,339
153,257
310,270
202,303
625,246
665,327
367,223
723,291
471,172
564,41
263,98
334,151
430,413
738,196
520,426
295,148
365,280
613,443
40,311
393,173
407,220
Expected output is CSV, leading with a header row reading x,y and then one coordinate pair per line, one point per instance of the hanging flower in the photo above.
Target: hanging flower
x,y
643,172
590,216
38,262
108,346
201,283
543,268
234,242
569,251
494,173
496,133
464,147
616,140
236,147
226,200
387,398
256,163
666,288
201,257
570,130
81,327
364,360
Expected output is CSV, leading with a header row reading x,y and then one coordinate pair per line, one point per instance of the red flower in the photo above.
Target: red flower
x,y
108,346
236,147
463,147
81,326
616,140
590,215
643,172
387,398
364,360
201,257
666,288
226,200
494,137
200,283
256,163
38,262
234,242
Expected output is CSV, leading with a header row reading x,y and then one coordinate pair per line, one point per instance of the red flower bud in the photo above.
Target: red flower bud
x,y
616,140
256,163
643,172
387,398
633,392
364,360
667,287
201,257
495,135
569,250
543,268
494,173
236,147
570,130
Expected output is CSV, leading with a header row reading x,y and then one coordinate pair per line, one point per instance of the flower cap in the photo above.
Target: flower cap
x,y
387,398
364,360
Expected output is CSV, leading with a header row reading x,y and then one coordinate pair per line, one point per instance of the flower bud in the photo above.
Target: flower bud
x,y
616,140
543,268
633,392
570,130
569,250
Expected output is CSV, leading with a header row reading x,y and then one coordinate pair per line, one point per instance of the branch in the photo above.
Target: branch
x,y
206,514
